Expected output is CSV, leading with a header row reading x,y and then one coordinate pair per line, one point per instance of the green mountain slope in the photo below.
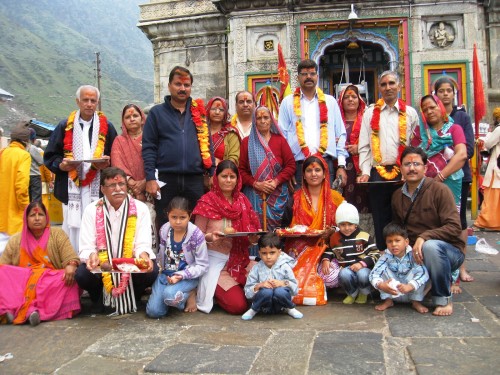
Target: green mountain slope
x,y
47,50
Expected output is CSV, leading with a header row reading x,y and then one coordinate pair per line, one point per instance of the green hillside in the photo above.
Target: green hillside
x,y
48,50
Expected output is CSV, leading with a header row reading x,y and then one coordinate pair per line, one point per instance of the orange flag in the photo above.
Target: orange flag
x,y
283,75
479,99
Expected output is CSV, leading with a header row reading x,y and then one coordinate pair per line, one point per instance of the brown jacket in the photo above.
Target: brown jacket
x,y
434,215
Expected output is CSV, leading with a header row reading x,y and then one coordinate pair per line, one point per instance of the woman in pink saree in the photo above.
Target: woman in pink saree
x,y
37,272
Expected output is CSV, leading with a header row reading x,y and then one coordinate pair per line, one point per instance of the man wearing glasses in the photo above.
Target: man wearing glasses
x,y
426,208
311,123
115,226
385,130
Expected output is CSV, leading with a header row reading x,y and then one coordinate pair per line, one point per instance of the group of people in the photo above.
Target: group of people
x,y
206,186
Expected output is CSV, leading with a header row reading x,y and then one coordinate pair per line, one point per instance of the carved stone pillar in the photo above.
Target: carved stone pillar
x,y
191,34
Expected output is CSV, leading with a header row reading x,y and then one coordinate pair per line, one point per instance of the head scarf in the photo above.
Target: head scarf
x,y
356,126
432,142
329,200
226,128
214,205
28,241
126,153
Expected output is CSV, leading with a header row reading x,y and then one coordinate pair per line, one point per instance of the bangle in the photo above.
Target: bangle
x,y
441,177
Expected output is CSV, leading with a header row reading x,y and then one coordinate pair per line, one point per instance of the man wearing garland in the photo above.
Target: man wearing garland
x,y
242,120
114,227
385,131
84,135
312,123
176,143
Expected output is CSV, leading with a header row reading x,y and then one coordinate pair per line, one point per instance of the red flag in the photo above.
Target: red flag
x,y
283,75
479,100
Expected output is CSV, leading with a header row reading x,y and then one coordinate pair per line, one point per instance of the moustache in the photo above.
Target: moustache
x,y
182,92
309,80
118,193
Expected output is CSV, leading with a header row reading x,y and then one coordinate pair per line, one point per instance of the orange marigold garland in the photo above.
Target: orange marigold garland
x,y
323,120
98,152
375,139
199,116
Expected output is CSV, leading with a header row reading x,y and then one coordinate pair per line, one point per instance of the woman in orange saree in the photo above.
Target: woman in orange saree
x,y
37,272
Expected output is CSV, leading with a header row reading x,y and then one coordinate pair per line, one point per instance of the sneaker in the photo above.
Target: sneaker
x,y
349,300
294,313
34,318
361,298
249,315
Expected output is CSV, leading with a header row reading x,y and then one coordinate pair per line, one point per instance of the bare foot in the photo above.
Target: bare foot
x,y
455,289
444,310
191,302
419,307
385,305
465,276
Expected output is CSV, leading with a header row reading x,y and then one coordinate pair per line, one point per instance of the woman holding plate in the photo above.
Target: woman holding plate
x,y
225,210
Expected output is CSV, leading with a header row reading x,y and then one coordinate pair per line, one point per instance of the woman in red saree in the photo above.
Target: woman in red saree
x,y
225,206
37,272
314,206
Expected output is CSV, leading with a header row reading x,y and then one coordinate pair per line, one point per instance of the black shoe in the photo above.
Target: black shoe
x,y
97,307
34,318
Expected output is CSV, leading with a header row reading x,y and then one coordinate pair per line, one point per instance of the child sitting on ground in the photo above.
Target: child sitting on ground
x,y
271,282
396,275
353,252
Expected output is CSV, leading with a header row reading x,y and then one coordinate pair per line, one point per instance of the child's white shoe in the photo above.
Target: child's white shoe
x,y
249,315
294,313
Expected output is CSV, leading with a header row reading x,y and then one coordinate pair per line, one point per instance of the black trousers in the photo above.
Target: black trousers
x,y
35,188
380,196
92,282
184,185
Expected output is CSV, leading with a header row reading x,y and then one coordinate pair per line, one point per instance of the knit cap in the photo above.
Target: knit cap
x,y
20,132
346,213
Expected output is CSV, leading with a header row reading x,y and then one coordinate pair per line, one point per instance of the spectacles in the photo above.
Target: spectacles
x,y
308,74
414,164
121,185
217,109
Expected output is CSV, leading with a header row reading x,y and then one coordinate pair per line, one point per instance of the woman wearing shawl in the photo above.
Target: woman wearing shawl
x,y
314,205
225,138
352,108
126,154
266,166
223,210
444,143
37,272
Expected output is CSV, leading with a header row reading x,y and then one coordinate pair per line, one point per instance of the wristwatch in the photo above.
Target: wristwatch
x,y
341,166
287,283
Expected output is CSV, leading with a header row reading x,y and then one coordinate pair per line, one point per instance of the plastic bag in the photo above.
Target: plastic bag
x,y
484,247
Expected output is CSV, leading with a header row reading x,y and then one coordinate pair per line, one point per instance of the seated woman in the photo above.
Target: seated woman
x,y
37,272
314,205
266,166
223,210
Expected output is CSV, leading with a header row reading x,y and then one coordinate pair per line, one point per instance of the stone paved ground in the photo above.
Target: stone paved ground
x,y
331,339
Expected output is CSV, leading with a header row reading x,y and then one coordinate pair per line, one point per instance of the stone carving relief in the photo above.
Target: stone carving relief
x,y
442,34
175,8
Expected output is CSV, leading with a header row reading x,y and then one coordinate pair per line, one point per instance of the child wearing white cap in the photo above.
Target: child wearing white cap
x,y
355,253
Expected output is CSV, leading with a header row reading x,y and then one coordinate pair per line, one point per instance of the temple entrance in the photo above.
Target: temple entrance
x,y
352,61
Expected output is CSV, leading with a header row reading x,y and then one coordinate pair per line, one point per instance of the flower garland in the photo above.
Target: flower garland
x,y
323,122
98,152
234,121
128,245
199,116
375,139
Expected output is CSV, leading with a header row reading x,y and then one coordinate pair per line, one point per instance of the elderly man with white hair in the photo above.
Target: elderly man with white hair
x,y
86,135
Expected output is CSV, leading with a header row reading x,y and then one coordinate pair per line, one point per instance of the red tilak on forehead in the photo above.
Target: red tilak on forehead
x,y
37,210
217,104
118,178
131,111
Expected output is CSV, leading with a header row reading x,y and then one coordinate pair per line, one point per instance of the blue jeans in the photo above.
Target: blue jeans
x,y
441,259
272,301
165,295
355,282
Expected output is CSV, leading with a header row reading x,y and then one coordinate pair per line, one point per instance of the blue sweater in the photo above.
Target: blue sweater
x,y
169,145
